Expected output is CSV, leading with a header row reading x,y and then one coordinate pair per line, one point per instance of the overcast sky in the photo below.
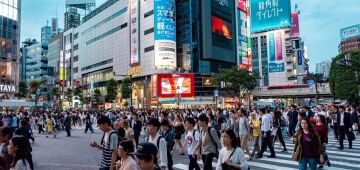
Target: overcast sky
x,y
320,22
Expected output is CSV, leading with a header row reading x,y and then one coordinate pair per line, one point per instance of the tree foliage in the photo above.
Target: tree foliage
x,y
78,91
343,81
237,80
97,95
126,88
34,86
22,90
55,91
69,95
111,89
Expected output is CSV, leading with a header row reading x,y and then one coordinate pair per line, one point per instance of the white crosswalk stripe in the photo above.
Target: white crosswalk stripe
x,y
347,159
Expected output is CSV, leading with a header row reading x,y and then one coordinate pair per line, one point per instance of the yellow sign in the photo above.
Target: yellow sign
x,y
135,70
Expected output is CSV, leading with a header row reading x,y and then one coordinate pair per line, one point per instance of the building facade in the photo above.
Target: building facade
x,y
46,33
323,68
10,44
55,54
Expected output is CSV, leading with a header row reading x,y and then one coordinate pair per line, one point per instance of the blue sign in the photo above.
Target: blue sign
x,y
270,14
165,23
350,32
276,67
311,82
299,57
271,38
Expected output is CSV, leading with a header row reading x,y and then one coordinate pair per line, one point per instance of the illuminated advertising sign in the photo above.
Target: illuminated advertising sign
x,y
165,33
54,25
270,14
350,32
170,85
242,4
295,25
221,27
275,52
4,88
134,33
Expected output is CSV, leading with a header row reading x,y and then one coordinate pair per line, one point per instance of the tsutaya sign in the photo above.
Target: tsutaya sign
x,y
7,88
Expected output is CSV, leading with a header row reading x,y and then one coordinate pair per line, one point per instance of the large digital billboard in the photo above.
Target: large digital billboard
x,y
134,33
269,15
165,33
275,52
242,4
221,27
350,32
171,85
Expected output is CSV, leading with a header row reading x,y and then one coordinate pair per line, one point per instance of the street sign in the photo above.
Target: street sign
x,y
216,93
311,82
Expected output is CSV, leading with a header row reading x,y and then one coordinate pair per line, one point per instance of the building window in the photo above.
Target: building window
x,y
76,35
147,49
76,47
76,70
149,13
97,65
148,31
76,58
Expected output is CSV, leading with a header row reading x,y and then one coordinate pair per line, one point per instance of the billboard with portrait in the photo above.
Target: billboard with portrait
x,y
270,14
170,85
165,33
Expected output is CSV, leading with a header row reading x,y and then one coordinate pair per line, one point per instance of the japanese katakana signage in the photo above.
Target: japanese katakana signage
x,y
275,52
270,14
165,33
134,33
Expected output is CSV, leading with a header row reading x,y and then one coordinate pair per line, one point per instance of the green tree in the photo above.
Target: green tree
x,y
343,79
111,90
22,90
237,81
69,95
34,87
56,92
78,91
97,96
126,88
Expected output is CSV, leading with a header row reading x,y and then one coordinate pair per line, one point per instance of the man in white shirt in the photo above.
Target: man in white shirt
x,y
266,132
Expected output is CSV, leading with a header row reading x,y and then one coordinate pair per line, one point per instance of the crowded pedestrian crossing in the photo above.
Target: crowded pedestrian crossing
x,y
346,159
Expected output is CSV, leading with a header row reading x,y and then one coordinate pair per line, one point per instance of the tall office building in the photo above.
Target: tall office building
x,y
323,68
71,19
46,33
24,57
55,55
9,44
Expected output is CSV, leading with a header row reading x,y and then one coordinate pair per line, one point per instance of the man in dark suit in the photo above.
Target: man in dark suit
x,y
344,124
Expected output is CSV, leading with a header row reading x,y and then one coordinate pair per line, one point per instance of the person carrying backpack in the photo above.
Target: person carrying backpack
x,y
209,142
191,140
108,144
153,127
168,134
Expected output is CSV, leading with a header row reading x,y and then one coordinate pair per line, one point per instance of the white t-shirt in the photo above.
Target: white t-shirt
x,y
238,157
129,132
191,141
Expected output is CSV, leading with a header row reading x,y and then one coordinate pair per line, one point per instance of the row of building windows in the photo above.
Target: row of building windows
x,y
147,49
97,65
149,13
119,13
148,31
105,34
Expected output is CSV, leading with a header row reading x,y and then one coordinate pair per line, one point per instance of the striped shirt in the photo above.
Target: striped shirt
x,y
108,146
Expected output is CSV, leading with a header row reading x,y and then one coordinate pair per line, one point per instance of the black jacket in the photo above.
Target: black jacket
x,y
347,120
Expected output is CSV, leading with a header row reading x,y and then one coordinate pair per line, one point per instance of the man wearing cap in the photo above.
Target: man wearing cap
x,y
153,127
146,154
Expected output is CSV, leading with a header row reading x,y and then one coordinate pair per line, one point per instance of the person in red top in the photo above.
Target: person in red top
x,y
321,128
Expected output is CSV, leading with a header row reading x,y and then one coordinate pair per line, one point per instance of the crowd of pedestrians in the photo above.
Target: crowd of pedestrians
x,y
147,138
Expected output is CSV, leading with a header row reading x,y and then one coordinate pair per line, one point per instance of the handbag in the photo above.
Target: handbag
x,y
351,136
226,166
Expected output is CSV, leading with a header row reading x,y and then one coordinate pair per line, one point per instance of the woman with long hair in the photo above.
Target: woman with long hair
x,y
127,162
322,129
230,156
179,129
19,147
308,148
